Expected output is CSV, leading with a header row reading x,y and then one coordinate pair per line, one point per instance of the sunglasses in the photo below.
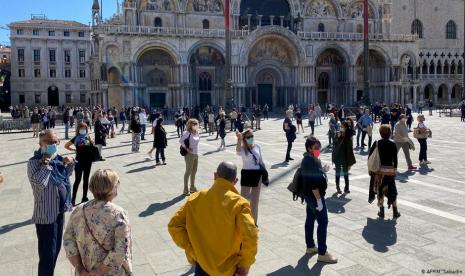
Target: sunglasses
x,y
248,137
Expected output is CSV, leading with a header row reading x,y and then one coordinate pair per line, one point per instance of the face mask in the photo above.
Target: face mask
x,y
343,129
82,131
50,149
316,153
249,141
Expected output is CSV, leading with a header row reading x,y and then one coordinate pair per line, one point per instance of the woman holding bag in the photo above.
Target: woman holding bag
x,y
253,169
421,132
191,156
343,155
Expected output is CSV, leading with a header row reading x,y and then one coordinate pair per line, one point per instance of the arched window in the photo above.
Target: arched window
x,y
424,68
439,68
431,68
451,30
360,28
459,68
417,28
205,24
205,82
321,28
158,22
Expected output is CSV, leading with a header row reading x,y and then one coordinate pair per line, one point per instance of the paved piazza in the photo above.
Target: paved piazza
x,y
429,235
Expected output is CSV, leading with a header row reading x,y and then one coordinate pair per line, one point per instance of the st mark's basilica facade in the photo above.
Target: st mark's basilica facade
x,y
172,52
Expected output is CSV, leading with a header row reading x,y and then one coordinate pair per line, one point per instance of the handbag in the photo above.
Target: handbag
x,y
264,171
387,171
374,161
97,241
420,133
183,151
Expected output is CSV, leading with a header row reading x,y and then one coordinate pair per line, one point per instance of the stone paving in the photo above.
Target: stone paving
x,y
429,237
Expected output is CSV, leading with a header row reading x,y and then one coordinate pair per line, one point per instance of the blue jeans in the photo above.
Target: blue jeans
x,y
49,237
66,130
142,135
122,128
359,132
322,218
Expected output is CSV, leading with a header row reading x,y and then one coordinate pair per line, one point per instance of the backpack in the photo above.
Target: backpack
x,y
296,186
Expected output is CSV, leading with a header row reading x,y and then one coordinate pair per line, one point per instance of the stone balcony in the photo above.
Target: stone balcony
x,y
240,34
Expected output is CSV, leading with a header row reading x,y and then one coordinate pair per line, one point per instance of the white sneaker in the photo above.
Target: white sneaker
x,y
312,250
427,162
327,258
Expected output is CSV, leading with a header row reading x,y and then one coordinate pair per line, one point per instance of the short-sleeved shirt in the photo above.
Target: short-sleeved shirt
x,y
194,140
248,162
80,142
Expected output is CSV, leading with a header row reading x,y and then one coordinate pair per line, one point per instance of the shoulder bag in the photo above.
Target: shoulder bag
x,y
374,161
264,171
97,241
183,151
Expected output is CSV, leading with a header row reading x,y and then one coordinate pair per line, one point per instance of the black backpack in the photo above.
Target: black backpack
x,y
296,186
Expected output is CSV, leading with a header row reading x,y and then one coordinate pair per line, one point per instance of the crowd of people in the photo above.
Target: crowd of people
x,y
223,239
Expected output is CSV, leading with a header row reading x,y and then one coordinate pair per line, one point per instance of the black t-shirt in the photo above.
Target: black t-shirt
x,y
82,155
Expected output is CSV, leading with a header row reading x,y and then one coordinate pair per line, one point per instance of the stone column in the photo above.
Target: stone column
x,y
282,20
259,20
271,19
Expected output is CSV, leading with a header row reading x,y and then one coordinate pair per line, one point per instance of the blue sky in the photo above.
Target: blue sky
x,y
78,10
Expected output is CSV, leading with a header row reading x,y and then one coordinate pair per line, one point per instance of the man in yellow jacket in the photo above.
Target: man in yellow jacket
x,y
216,228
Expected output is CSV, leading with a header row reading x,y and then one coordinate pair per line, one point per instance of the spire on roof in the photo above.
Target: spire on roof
x,y
96,5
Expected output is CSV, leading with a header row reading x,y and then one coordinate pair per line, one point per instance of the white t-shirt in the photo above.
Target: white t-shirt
x,y
143,118
193,141
248,162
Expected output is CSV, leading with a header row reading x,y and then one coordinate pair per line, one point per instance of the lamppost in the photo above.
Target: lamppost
x,y
228,99
366,85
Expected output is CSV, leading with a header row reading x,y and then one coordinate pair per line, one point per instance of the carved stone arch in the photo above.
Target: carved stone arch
x,y
276,31
412,57
158,5
312,8
149,45
204,6
373,9
342,52
202,43
378,49
282,74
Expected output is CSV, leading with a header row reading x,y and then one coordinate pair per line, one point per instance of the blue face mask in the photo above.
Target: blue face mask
x,y
51,149
249,141
82,131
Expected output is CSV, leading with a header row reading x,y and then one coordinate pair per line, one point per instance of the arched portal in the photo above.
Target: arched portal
x,y
443,94
376,75
331,74
455,95
156,67
53,96
270,62
207,75
428,92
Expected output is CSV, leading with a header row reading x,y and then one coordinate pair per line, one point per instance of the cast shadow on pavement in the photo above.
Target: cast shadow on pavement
x,y
301,269
279,165
10,227
335,204
380,233
141,169
156,207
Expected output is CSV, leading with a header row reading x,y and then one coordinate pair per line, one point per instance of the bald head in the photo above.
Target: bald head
x,y
227,170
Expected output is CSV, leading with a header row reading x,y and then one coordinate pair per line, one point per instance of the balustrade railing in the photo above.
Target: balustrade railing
x,y
197,32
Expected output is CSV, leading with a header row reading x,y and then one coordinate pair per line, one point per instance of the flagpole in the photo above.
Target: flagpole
x,y
366,85
228,99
